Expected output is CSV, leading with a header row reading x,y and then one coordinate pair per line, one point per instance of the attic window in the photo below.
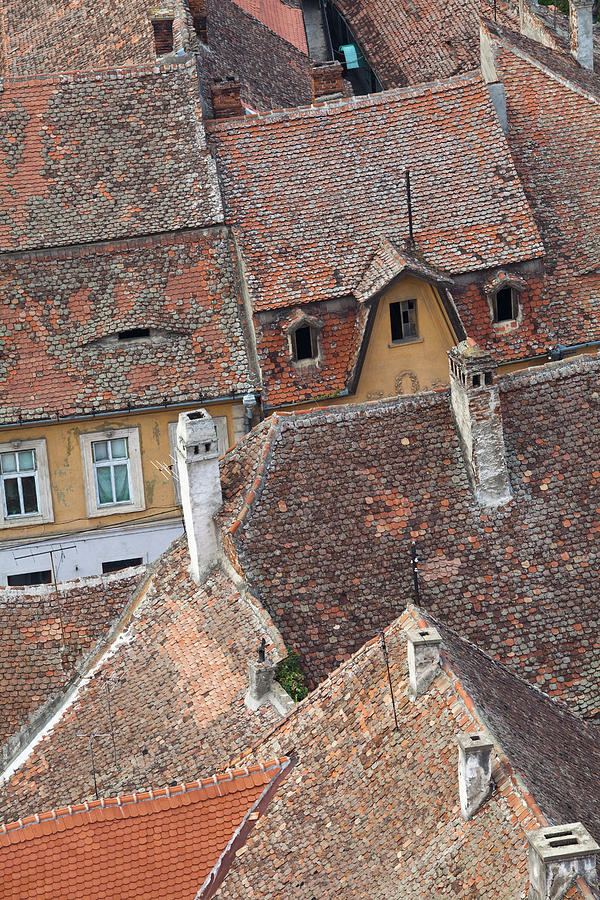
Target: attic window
x,y
163,36
403,320
133,334
304,343
506,304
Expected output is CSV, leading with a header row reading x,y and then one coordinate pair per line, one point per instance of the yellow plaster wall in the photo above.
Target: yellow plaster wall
x,y
391,369
66,470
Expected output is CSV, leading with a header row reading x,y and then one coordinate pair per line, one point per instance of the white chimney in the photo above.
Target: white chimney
x,y
559,855
200,483
476,406
423,660
582,32
263,688
474,772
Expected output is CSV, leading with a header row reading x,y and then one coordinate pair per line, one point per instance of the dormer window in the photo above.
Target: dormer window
x,y
133,334
403,321
304,343
506,304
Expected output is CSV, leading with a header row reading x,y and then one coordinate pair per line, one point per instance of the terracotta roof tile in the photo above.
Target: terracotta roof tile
x,y
165,846
285,19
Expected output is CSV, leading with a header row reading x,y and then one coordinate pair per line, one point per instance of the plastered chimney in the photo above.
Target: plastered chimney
x,y
263,688
200,483
559,855
582,32
476,407
474,772
423,660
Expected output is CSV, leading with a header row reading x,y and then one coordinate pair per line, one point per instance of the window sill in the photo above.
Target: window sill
x,y
25,521
412,340
116,509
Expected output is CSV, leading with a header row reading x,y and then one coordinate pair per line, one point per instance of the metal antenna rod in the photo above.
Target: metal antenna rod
x,y
414,560
409,206
389,674
495,10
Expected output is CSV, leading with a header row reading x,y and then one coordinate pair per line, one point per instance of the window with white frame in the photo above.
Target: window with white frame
x,y
112,470
25,484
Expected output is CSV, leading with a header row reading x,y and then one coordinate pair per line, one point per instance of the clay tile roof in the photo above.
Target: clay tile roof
x,y
283,18
160,843
170,683
371,812
50,36
103,155
387,264
311,193
69,360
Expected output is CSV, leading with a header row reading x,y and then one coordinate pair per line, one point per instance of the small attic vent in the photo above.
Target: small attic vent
x,y
163,36
133,334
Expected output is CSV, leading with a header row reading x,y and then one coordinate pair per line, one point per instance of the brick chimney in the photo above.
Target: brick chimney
x,y
198,13
474,772
559,855
582,32
327,83
200,484
226,99
476,407
423,660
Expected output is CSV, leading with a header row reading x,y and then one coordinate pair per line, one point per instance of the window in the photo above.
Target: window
x,y
403,320
117,564
506,304
26,495
133,334
163,36
112,472
304,343
27,578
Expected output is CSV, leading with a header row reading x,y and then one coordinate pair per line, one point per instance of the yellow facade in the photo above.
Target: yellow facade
x,y
66,468
414,365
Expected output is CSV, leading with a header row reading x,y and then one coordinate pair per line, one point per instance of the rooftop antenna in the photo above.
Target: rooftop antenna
x,y
261,650
414,562
409,206
109,734
495,10
387,663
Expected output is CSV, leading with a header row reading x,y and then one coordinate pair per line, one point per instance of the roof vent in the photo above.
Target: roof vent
x,y
423,660
474,772
558,856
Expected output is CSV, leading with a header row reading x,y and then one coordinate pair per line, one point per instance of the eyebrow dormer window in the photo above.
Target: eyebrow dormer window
x,y
133,334
304,343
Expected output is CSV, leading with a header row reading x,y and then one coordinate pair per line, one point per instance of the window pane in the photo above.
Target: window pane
x,y
100,449
303,339
26,460
409,318
504,305
30,503
121,483
9,462
119,448
11,494
105,494
396,322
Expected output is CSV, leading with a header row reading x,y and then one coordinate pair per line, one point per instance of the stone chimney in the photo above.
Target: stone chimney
x,y
226,99
582,32
559,855
327,82
263,688
198,13
474,772
423,660
200,484
476,407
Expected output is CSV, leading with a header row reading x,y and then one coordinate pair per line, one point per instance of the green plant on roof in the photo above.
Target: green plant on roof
x,y
290,676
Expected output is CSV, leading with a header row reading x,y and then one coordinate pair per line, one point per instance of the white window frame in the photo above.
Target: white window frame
x,y
136,478
222,447
42,479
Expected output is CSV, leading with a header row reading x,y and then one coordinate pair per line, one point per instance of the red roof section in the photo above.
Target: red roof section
x,y
312,192
153,844
285,20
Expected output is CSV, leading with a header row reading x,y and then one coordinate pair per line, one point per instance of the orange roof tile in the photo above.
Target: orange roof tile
x,y
153,844
286,21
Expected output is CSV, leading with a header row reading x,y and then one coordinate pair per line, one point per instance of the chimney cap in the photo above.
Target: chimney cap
x,y
424,636
560,842
474,741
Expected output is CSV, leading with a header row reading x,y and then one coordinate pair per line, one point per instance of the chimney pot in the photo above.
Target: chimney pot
x,y
474,772
200,482
327,82
475,402
581,18
226,99
423,659
558,855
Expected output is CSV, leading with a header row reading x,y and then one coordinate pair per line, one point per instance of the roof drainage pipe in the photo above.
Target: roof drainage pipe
x,y
561,350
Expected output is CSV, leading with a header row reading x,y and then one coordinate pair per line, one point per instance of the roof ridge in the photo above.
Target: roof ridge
x,y
51,816
118,72
259,475
552,370
343,104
